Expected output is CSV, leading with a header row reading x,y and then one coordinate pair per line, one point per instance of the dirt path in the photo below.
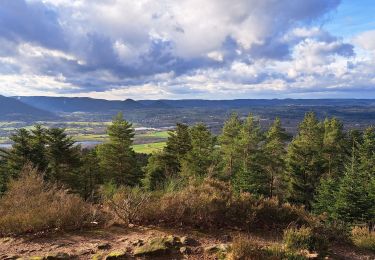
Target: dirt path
x,y
98,243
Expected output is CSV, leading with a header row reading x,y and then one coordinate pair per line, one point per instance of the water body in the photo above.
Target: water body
x,y
84,144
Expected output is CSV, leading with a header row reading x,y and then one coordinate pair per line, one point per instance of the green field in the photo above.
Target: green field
x,y
156,134
149,148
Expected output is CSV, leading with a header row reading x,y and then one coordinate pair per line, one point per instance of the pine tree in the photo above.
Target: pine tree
x,y
21,152
305,163
63,156
90,176
275,153
201,156
252,176
353,203
335,148
229,141
367,153
156,172
38,143
325,198
117,157
178,145
4,177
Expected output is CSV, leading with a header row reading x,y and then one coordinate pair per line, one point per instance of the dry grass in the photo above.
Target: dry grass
x,y
362,237
32,205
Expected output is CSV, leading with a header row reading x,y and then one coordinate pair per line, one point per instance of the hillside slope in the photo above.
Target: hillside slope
x,y
79,104
13,109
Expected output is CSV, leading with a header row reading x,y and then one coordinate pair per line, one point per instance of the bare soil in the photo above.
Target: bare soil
x,y
98,243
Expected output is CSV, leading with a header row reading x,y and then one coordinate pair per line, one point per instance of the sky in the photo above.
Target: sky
x,y
168,49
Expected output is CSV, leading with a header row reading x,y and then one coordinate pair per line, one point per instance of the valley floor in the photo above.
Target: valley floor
x,y
101,243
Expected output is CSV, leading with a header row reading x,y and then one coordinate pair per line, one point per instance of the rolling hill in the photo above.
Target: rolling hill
x,y
13,109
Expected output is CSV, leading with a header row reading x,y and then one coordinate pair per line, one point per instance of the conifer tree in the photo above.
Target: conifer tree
x,y
117,157
201,156
326,195
229,146
305,163
335,148
63,156
90,176
367,153
353,200
156,172
275,153
38,143
178,145
21,151
252,176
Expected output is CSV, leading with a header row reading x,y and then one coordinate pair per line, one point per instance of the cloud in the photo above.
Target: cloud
x,y
174,48
366,40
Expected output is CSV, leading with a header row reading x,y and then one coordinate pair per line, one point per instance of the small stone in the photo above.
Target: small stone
x,y
139,242
105,246
185,250
188,241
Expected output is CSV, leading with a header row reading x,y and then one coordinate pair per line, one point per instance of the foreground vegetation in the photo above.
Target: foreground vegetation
x,y
315,189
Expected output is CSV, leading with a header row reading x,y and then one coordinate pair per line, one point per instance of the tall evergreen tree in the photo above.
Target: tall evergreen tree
x,y
367,153
275,153
353,201
21,152
178,145
252,176
335,147
229,141
326,195
38,143
63,156
201,156
305,163
117,157
90,176
156,171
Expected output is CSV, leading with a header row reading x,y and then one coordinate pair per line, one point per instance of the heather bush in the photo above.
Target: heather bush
x,y
31,205
272,214
305,238
125,203
245,248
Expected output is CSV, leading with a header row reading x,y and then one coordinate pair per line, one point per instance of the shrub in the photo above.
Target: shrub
x,y
270,213
205,205
362,237
125,203
32,205
245,248
305,238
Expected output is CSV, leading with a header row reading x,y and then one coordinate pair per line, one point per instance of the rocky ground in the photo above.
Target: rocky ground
x,y
137,243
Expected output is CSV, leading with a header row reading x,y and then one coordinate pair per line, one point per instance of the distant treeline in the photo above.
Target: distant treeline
x,y
324,168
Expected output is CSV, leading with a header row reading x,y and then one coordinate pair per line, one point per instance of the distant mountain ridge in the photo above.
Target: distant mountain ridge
x,y
13,109
78,104
85,104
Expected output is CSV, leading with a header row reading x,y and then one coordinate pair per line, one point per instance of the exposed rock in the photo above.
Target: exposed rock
x,y
104,246
185,250
11,257
117,255
59,256
188,241
157,246
216,248
139,242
